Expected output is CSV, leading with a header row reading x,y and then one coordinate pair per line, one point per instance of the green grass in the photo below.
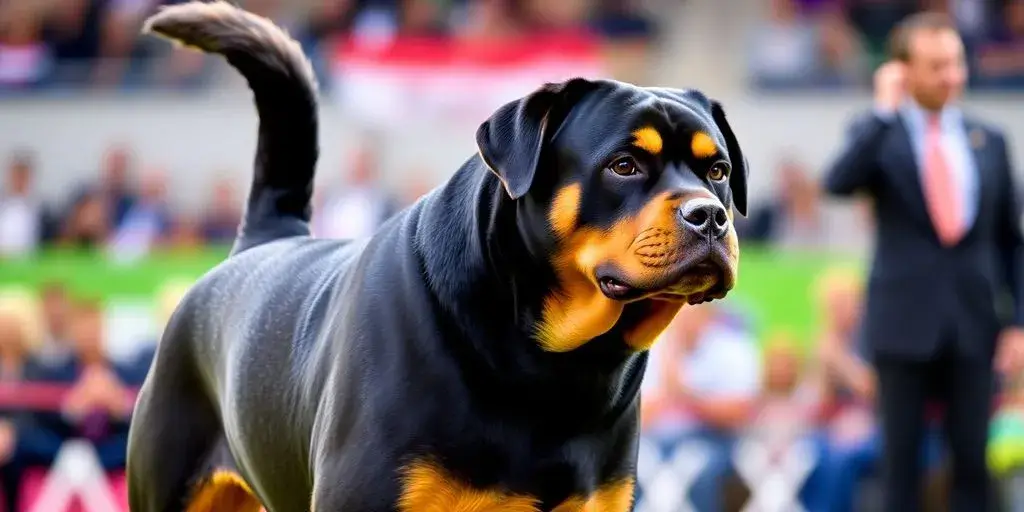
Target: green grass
x,y
774,288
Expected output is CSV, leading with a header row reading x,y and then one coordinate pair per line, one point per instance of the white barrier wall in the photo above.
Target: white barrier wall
x,y
195,138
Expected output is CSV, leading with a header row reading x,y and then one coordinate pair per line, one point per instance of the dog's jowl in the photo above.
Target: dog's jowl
x,y
483,351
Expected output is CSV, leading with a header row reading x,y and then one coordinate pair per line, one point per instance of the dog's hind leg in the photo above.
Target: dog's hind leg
x,y
174,429
285,92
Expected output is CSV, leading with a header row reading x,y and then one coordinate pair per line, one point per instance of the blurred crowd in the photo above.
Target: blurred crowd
x,y
784,424
838,43
57,340
62,44
125,210
69,44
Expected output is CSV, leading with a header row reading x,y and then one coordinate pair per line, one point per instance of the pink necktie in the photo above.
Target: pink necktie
x,y
944,202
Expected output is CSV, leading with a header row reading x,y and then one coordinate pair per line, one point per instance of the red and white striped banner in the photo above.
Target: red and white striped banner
x,y
416,79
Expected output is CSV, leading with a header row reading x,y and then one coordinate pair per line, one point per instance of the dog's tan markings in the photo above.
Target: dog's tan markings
x,y
565,210
426,487
656,319
648,139
703,145
641,246
614,497
224,491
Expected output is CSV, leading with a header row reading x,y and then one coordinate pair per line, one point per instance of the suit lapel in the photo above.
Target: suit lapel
x,y
905,171
977,139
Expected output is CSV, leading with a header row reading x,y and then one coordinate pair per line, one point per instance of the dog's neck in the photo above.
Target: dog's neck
x,y
491,288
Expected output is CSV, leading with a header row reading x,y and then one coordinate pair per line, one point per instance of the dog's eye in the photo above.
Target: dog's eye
x,y
624,166
718,171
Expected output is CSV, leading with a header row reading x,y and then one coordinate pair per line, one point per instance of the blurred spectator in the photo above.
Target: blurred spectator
x,y
628,34
24,56
1000,56
21,214
116,182
359,206
222,214
842,53
422,18
797,218
491,20
874,19
848,391
96,408
785,49
564,16
779,442
148,223
623,21
73,34
19,331
186,234
98,209
701,387
317,32
55,345
119,27
88,223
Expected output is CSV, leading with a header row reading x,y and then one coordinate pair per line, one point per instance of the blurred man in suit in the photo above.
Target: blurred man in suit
x,y
948,246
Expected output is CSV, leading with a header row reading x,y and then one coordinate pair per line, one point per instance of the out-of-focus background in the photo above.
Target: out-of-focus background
x,y
125,161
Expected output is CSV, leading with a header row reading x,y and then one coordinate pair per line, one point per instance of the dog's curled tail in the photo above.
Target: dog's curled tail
x,y
285,92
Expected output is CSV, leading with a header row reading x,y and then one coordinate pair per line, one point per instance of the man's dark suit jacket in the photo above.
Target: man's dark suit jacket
x,y
920,292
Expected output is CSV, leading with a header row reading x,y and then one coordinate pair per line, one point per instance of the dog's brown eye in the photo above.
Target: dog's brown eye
x,y
624,166
718,171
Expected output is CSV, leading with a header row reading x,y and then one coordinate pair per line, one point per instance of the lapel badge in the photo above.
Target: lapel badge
x,y
977,138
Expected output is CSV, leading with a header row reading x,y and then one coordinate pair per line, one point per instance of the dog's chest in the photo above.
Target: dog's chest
x,y
510,473
429,487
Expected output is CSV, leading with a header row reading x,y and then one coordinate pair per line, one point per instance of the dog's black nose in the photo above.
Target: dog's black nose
x,y
705,216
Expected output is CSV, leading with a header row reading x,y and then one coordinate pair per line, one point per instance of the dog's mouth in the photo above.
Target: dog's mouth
x,y
694,281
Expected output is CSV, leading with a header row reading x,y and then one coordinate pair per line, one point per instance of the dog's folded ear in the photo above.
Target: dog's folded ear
x,y
738,177
511,141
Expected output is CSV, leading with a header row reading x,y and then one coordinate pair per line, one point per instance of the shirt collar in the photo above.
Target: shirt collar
x,y
949,117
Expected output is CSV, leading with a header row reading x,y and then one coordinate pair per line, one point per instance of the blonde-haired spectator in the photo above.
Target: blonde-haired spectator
x,y
21,328
20,311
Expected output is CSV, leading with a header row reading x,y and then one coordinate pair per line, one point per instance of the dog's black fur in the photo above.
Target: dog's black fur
x,y
319,369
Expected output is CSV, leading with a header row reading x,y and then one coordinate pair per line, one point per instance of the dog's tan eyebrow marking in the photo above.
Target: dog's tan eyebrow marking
x,y
648,139
702,145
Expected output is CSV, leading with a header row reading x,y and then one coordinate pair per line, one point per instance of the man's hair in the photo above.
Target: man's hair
x,y
899,38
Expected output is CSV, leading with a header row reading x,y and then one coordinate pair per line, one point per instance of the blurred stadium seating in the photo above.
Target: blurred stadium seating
x,y
125,162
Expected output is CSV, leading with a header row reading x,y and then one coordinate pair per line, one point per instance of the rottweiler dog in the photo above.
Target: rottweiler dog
x,y
483,351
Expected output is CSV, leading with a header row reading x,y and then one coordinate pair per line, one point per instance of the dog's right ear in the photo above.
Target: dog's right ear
x,y
511,141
